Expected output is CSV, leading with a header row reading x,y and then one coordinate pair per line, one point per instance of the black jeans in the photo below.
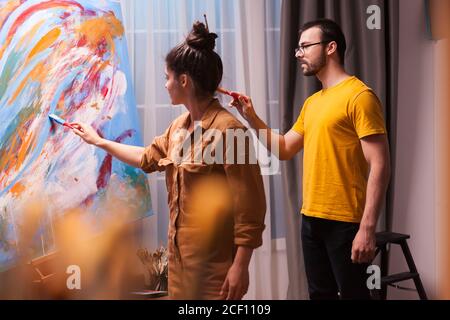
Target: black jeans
x,y
327,247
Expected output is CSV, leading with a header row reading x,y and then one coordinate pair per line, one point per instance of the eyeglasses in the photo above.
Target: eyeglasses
x,y
301,49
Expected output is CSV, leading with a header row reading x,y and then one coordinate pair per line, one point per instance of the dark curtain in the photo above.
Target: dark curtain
x,y
372,56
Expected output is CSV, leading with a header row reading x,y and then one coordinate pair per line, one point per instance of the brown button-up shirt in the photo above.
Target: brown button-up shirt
x,y
215,203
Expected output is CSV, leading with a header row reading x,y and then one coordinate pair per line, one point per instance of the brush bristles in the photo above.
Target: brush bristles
x,y
56,118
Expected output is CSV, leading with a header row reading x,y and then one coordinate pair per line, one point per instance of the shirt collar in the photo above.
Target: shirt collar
x,y
208,116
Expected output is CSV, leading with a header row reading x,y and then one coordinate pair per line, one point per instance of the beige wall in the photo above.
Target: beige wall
x,y
440,11
415,195
442,96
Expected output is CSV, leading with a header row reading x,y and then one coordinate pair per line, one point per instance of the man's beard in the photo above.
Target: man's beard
x,y
314,67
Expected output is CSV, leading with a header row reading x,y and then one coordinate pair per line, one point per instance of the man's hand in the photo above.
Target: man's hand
x,y
236,283
364,245
245,107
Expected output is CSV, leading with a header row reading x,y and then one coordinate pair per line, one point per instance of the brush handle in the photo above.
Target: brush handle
x,y
233,94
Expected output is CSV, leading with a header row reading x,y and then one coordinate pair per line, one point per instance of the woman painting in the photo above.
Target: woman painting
x,y
217,207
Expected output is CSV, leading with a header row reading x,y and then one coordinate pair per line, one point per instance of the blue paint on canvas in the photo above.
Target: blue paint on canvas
x,y
69,58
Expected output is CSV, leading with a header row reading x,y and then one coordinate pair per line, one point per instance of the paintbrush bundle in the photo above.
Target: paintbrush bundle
x,y
156,264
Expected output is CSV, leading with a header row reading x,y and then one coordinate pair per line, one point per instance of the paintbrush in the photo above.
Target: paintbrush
x,y
233,94
59,120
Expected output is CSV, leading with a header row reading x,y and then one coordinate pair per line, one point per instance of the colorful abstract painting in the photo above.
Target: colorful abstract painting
x,y
69,58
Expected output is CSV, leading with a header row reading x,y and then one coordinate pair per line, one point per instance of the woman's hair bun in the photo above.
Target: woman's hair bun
x,y
200,38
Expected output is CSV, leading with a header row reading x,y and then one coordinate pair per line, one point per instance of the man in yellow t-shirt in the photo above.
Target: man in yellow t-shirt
x,y
345,165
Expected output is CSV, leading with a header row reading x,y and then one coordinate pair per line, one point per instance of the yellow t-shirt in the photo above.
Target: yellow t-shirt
x,y
335,171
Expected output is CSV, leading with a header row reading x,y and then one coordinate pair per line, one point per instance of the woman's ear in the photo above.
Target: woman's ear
x,y
183,79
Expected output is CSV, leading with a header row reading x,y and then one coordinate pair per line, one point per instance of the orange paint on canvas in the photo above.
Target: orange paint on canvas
x,y
36,74
30,11
18,188
29,35
45,42
97,30
25,39
25,147
61,102
7,8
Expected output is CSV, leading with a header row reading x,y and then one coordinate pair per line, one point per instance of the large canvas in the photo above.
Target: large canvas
x,y
68,58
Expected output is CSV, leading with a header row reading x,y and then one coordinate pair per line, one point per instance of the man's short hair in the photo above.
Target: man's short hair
x,y
331,31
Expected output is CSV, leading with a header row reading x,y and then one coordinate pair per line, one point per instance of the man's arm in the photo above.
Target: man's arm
x,y
289,144
376,152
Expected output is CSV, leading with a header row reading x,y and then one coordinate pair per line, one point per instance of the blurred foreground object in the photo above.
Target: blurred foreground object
x,y
86,263
156,265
